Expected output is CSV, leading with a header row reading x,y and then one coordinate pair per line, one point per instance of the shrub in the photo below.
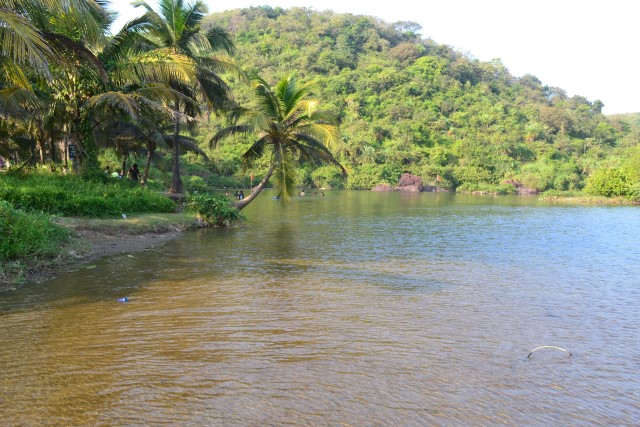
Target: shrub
x,y
366,177
25,235
608,182
212,209
328,177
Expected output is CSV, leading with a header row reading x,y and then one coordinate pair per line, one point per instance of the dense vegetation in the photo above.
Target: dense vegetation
x,y
408,104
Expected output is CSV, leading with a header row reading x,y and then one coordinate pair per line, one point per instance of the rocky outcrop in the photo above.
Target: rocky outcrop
x,y
520,188
409,182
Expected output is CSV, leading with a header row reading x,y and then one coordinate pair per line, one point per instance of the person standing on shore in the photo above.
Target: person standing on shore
x,y
134,173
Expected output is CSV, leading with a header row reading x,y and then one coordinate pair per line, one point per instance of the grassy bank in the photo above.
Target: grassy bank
x,y
69,195
42,245
50,222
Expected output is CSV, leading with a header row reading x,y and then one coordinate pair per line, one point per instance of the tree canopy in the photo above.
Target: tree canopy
x,y
408,104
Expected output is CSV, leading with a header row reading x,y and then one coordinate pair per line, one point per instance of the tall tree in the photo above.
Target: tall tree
x,y
289,126
175,26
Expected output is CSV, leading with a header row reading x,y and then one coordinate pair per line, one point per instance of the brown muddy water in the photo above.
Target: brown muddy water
x,y
353,309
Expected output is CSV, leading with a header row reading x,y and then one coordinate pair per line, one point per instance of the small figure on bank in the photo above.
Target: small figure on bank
x,y
241,195
302,193
134,172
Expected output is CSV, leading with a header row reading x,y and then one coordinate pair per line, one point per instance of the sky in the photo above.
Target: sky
x,y
586,47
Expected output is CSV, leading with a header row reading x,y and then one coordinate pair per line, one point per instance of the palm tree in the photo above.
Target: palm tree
x,y
176,27
37,43
289,126
33,35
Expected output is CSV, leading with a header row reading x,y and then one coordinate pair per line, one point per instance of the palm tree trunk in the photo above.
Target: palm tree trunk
x,y
240,204
145,174
176,181
124,166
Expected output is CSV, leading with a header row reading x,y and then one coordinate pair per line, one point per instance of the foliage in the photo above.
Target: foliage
x,y
24,234
289,128
609,183
365,177
501,189
212,209
329,177
73,196
411,104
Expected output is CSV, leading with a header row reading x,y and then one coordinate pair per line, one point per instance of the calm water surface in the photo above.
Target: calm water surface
x,y
354,309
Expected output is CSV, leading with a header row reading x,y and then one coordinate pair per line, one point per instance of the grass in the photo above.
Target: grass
x,y
30,241
69,195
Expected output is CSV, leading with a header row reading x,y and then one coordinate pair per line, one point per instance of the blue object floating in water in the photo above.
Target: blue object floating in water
x,y
123,299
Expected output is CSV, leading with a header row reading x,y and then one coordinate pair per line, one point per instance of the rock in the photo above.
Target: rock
x,y
520,188
409,182
382,187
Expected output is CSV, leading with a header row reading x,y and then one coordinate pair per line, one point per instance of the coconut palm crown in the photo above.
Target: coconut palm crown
x,y
175,26
290,127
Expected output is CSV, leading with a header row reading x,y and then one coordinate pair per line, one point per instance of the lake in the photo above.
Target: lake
x,y
354,309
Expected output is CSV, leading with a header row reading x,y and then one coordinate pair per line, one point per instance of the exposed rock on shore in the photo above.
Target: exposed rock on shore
x,y
521,188
410,183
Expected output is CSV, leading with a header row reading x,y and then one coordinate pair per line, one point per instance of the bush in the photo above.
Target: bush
x,y
329,177
609,183
366,177
212,209
26,235
196,184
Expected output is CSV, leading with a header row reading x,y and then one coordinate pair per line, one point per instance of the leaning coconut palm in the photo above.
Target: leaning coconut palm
x,y
290,127
176,27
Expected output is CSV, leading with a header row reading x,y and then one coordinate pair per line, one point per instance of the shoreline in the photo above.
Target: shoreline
x,y
93,239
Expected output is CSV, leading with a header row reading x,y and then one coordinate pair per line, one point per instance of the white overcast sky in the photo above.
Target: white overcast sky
x,y
587,47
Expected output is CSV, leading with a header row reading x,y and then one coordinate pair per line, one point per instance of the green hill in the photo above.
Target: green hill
x,y
409,104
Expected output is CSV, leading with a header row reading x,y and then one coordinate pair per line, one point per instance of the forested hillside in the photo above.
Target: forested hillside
x,y
408,104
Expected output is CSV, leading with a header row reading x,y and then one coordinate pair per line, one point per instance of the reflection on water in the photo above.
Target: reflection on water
x,y
349,309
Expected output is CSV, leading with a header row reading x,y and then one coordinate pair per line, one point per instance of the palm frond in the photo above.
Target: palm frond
x,y
160,25
220,39
191,144
116,102
285,173
160,65
17,102
216,91
255,151
266,99
76,52
314,150
228,131
23,43
12,74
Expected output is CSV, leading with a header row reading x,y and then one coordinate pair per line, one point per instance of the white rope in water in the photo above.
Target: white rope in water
x,y
549,346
